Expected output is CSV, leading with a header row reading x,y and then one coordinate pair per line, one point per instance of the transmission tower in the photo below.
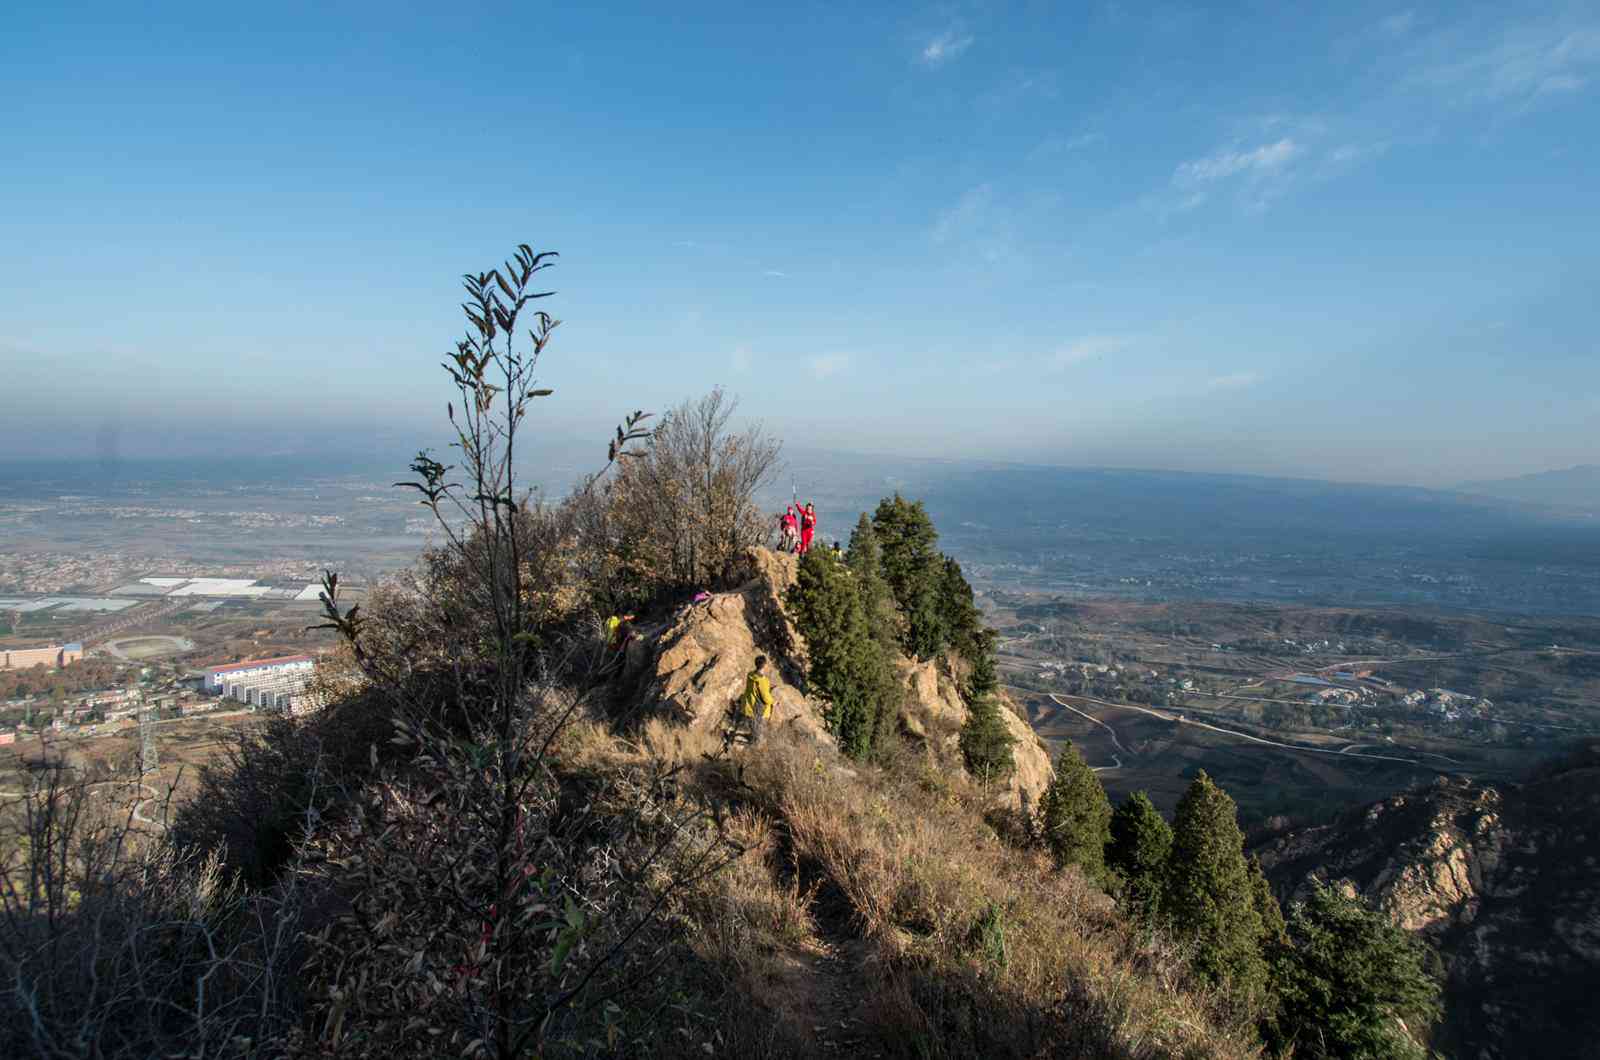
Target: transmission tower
x,y
147,738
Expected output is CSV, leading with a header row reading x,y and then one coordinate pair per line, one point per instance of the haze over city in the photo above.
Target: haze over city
x,y
1354,243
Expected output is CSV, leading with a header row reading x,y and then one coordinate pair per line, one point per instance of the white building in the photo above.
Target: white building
x,y
218,678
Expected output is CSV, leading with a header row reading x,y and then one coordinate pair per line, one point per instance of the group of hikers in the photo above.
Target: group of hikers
x,y
796,525
753,708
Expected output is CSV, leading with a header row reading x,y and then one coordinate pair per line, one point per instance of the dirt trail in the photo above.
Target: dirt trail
x,y
824,989
819,986
833,1004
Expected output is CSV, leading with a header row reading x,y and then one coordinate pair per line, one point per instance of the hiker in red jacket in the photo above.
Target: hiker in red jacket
x,y
790,527
808,526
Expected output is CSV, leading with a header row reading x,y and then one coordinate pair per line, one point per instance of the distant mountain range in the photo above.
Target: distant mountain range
x,y
1575,487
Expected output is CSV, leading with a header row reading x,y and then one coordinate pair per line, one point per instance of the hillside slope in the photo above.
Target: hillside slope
x,y
877,911
1504,883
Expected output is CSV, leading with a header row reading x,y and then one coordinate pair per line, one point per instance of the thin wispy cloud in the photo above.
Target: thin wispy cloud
x,y
1261,161
968,211
1086,349
1526,64
827,365
1344,154
945,47
980,225
1056,144
777,273
1234,381
1398,24
1252,178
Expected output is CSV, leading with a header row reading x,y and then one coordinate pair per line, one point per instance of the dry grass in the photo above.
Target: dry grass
x,y
927,883
961,946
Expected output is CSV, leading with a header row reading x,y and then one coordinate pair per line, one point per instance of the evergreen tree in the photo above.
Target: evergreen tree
x,y
865,555
986,741
985,678
907,538
914,570
1347,976
865,560
958,611
1207,896
848,667
1274,932
1075,815
1137,853
1274,943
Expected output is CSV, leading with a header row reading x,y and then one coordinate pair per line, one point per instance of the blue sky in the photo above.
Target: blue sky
x,y
1357,244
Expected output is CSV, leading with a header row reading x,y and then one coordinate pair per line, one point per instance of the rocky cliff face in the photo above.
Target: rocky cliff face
x,y
933,706
694,665
1502,880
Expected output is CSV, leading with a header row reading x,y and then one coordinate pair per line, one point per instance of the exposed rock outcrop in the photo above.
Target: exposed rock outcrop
x,y
933,702
694,666
1503,881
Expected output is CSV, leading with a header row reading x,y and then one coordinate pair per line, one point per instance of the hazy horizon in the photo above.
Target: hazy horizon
x,y
1352,245
555,464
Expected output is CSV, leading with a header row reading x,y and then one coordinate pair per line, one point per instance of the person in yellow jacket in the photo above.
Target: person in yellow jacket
x,y
619,630
755,706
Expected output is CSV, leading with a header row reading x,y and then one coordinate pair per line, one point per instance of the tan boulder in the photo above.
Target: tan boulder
x,y
933,692
694,666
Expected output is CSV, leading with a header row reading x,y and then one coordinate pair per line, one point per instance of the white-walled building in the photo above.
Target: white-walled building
x,y
256,671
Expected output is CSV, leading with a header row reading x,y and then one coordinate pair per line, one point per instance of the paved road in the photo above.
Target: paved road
x,y
1116,759
1164,716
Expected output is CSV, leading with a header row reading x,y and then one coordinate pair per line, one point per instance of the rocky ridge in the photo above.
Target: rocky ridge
x,y
1503,881
693,666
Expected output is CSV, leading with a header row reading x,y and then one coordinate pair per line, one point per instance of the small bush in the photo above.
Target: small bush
x,y
118,945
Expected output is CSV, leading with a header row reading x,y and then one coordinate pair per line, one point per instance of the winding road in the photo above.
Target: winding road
x,y
1180,719
138,806
1116,758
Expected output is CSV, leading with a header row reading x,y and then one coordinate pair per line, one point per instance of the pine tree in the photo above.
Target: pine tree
x,y
907,538
1207,896
986,741
958,611
1075,815
1274,943
1140,842
914,570
865,560
865,555
984,680
1274,931
848,667
1347,976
